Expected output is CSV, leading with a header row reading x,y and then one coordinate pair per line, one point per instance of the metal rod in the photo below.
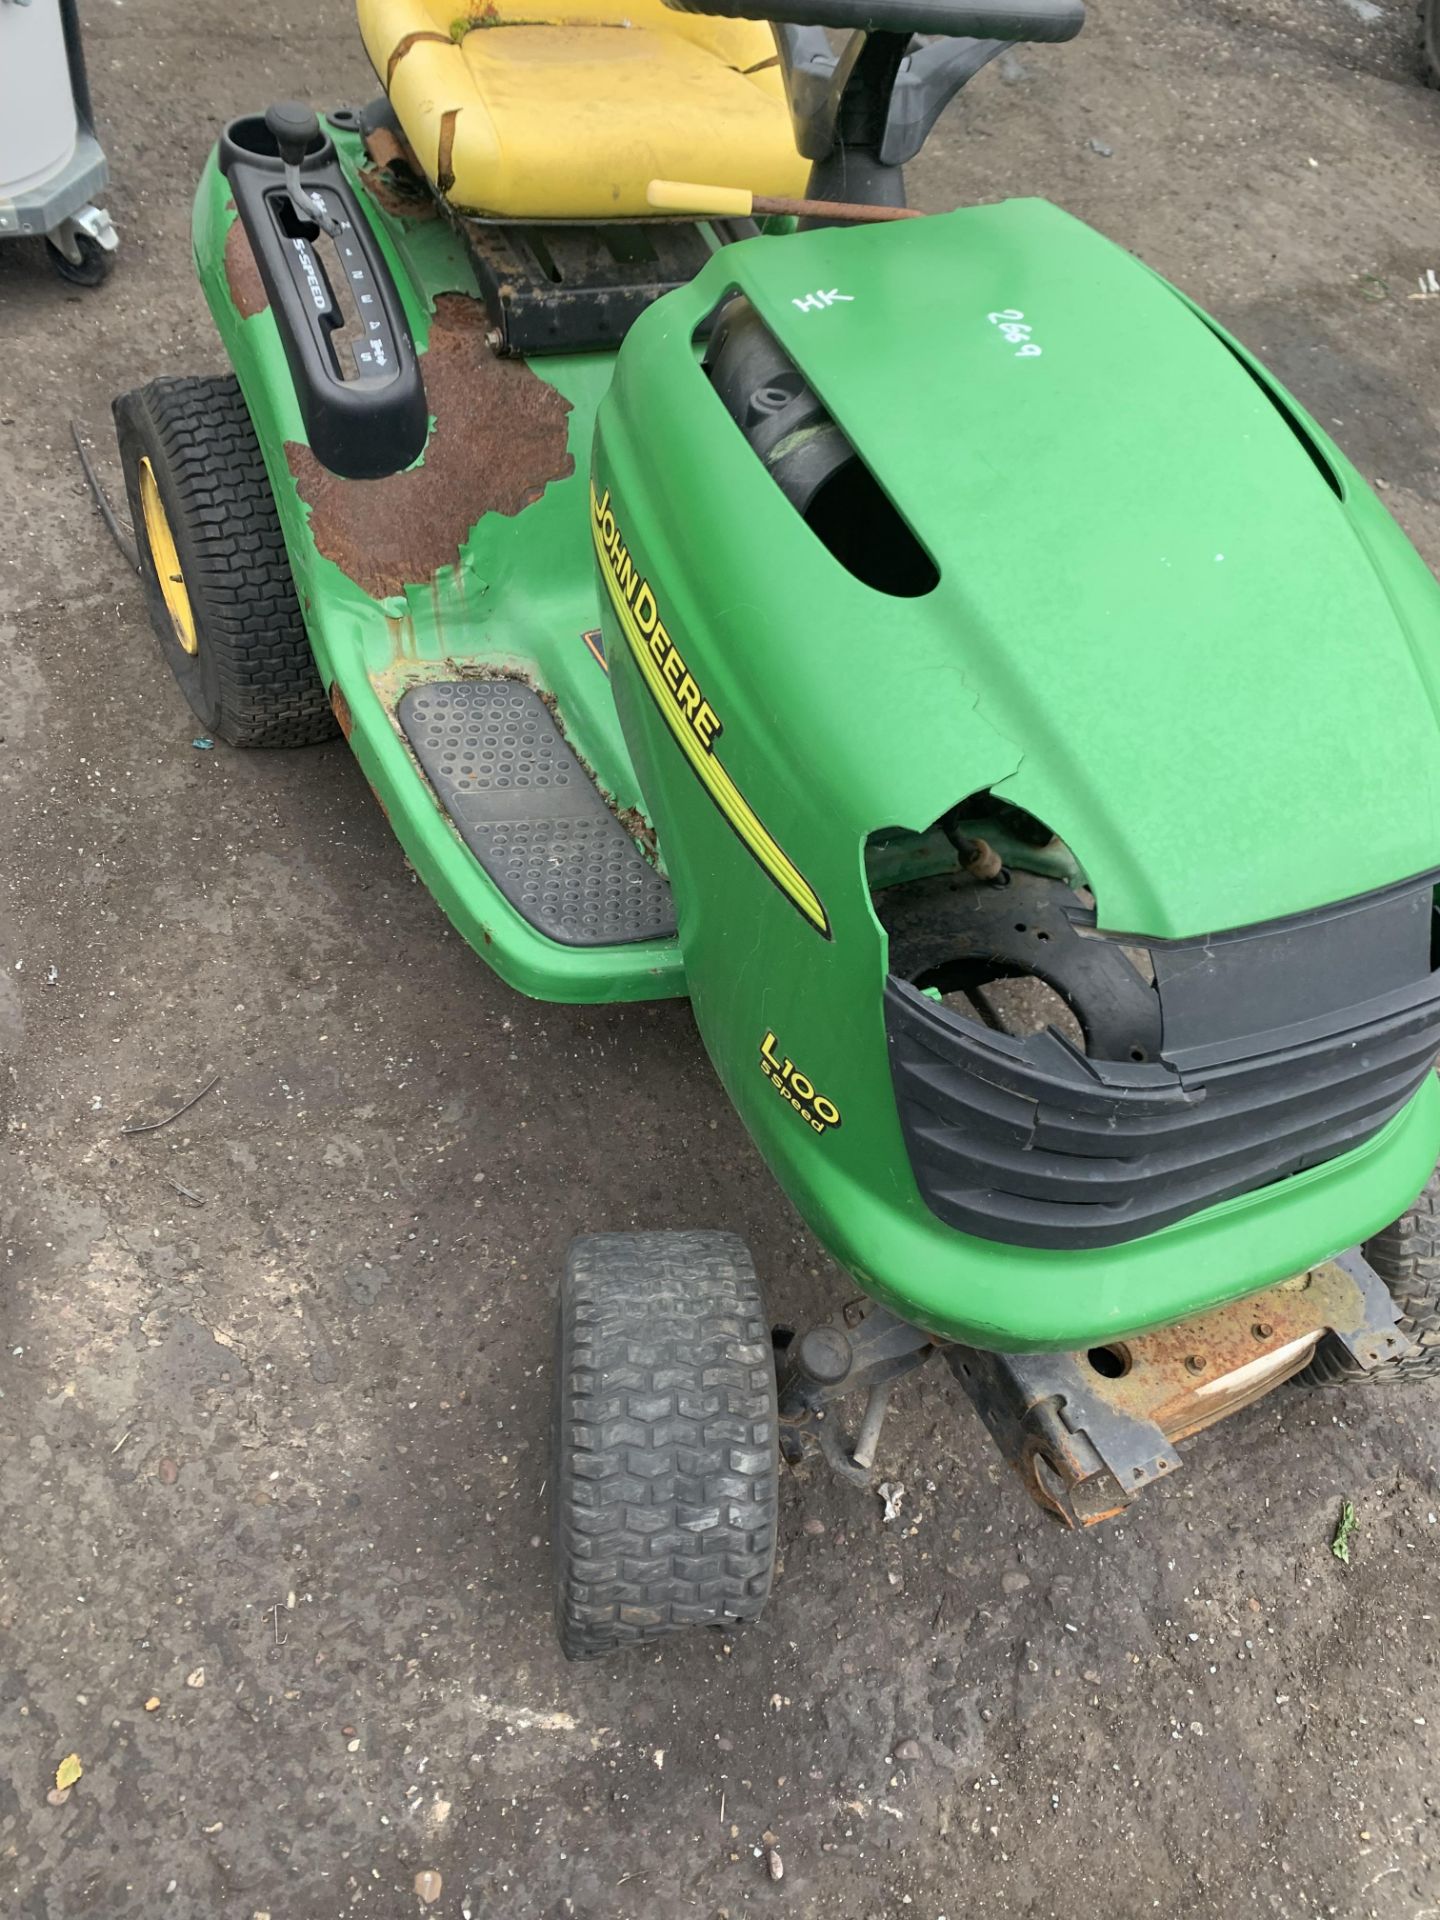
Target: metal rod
x,y
868,1438
850,210
107,513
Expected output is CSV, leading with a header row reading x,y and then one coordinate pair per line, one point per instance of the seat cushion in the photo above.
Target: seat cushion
x,y
571,116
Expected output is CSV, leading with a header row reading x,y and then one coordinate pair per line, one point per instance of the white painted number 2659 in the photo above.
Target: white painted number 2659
x,y
1014,326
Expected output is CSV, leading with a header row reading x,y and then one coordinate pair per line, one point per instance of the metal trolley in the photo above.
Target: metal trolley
x,y
52,166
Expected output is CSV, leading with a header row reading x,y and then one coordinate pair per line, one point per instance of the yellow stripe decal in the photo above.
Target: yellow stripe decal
x,y
688,724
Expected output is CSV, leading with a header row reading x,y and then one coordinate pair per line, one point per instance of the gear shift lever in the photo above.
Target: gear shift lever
x,y
295,128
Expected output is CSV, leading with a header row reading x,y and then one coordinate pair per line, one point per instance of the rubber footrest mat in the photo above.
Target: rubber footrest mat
x,y
531,814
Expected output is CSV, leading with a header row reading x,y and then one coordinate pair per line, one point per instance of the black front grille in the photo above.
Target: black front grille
x,y
1027,1140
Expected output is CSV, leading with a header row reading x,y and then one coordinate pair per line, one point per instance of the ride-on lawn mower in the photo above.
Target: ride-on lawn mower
x,y
930,643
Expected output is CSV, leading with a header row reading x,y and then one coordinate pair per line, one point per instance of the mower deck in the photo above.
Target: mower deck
x,y
1088,1431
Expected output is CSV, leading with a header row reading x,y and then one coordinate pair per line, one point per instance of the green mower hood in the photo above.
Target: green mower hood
x,y
1171,620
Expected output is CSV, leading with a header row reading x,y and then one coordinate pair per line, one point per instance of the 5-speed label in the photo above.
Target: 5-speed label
x,y
796,1087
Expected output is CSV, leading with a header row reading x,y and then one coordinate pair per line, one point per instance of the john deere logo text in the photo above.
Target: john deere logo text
x,y
792,1085
683,706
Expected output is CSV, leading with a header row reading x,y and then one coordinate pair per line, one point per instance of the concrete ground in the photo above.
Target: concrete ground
x,y
291,1348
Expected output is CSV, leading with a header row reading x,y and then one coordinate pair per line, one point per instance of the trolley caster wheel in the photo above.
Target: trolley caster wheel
x,y
93,266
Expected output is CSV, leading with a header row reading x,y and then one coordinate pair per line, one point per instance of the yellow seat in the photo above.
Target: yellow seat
x,y
568,109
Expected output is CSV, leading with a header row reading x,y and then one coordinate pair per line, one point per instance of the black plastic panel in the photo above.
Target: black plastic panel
x,y
357,377
1026,1140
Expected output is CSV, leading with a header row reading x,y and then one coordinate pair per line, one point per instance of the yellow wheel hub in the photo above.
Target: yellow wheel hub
x,y
167,560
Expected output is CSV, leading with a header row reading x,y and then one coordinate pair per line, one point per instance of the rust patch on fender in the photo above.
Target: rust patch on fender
x,y
387,149
633,821
399,201
340,707
499,439
242,275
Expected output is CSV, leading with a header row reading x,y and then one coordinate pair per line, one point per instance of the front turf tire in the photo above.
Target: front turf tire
x,y
1406,1255
665,1467
230,627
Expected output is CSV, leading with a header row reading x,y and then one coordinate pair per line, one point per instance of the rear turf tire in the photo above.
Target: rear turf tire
x,y
665,1468
1406,1255
247,670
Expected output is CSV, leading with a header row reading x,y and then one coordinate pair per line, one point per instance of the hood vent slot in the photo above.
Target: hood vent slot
x,y
809,458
